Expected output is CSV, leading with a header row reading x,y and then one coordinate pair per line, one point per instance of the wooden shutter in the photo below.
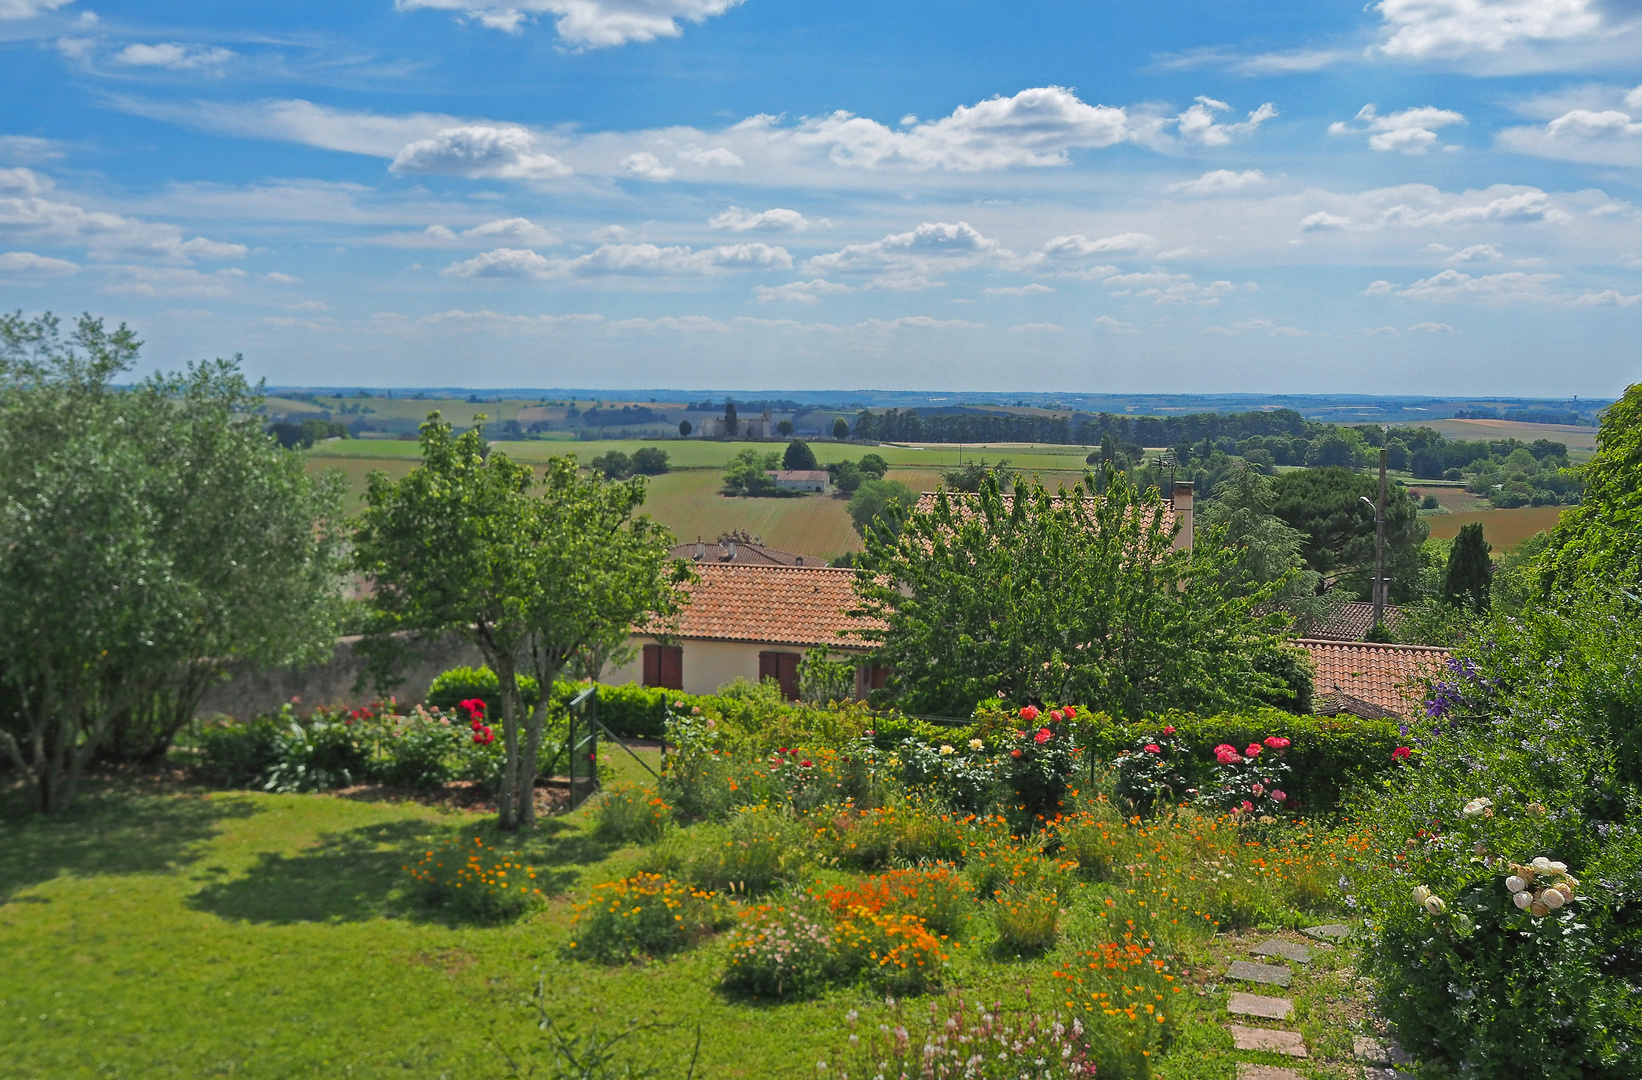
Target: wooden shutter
x,y
652,665
769,666
787,674
670,667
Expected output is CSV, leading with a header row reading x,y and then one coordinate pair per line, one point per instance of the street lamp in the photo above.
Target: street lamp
x,y
1379,546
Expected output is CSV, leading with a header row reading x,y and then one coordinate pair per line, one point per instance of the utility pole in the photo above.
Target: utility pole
x,y
1380,591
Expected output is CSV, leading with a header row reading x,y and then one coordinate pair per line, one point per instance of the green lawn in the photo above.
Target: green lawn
x,y
167,933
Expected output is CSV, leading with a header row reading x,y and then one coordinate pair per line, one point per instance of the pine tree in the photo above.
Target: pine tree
x,y
1470,570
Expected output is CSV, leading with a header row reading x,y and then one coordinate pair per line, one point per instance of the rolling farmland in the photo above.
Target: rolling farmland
x,y
1504,529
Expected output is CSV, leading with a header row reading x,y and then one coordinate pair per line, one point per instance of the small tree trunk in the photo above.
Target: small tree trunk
x,y
547,669
514,798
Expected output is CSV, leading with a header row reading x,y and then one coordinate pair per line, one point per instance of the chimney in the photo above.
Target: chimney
x,y
701,550
1182,503
729,546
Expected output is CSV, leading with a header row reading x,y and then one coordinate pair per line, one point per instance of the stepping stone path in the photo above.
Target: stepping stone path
x,y
1268,974
1267,1008
1288,950
1245,1071
1328,932
1270,1040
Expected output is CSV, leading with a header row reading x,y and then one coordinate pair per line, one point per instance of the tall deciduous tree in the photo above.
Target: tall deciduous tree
x,y
1598,544
1470,575
1261,548
464,544
148,536
1061,597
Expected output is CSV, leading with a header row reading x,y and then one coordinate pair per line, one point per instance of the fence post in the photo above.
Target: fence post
x,y
584,748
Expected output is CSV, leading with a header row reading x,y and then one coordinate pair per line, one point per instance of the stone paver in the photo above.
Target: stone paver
x,y
1269,974
1327,932
1269,1008
1288,950
1378,1051
1245,1071
1268,1040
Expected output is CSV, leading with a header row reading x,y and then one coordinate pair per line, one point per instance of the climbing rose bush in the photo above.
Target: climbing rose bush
x,y
1253,780
1041,760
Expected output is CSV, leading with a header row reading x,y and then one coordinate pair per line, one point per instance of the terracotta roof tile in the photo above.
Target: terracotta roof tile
x,y
748,554
1352,621
1383,675
780,605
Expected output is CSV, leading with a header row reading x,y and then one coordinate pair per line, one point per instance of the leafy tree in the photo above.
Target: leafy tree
x,y
1260,548
462,545
748,474
1069,597
840,428
1599,541
1336,447
1516,575
730,425
649,461
846,476
873,465
302,435
148,537
1325,506
1470,570
684,429
783,428
879,503
798,456
614,465
970,477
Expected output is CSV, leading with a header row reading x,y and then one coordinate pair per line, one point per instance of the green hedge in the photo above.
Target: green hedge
x,y
460,684
1327,754
630,710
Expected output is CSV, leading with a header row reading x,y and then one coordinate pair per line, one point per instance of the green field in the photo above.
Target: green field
x,y
1504,529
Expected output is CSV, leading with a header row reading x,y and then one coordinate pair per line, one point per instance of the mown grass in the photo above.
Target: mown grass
x,y
191,933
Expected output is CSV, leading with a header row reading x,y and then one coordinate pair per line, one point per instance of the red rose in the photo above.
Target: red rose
x,y
1071,713
1402,753
1253,750
1042,736
1153,748
804,764
1057,716
1015,753
1029,713
1277,742
1168,731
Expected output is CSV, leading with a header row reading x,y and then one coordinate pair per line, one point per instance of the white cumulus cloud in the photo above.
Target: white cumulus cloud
x,y
1218,181
1610,136
1164,288
776,219
1197,124
799,292
1461,29
932,243
506,153
173,56
1034,289
517,230
500,263
1114,326
646,166
1037,328
1411,131
1430,328
28,9
584,23
28,263
27,215
639,260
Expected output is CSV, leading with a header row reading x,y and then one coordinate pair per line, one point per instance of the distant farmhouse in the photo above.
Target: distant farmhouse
x,y
816,480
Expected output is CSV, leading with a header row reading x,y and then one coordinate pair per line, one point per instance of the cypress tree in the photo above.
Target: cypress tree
x,y
1470,570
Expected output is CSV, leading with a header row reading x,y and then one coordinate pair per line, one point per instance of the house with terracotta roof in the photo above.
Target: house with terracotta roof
x,y
1351,621
752,622
730,548
1366,679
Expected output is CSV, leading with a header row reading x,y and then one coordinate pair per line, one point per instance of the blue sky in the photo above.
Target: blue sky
x,y
1410,196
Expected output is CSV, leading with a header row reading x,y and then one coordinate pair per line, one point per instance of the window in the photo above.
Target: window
x,y
664,666
783,668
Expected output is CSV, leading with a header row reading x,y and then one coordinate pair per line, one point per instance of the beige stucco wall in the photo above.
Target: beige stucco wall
x,y
708,665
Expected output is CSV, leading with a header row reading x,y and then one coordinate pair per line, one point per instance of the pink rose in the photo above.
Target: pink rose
x,y
1278,796
1277,742
1153,748
1252,751
1056,716
1259,790
1247,806
1168,731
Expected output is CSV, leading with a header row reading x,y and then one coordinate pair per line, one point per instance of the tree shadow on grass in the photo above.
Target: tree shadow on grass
x,y
360,874
112,828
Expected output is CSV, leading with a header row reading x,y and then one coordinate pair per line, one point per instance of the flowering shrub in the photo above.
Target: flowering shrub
x,y
965,1044
962,774
872,839
1124,993
643,915
629,814
1251,781
1027,920
1152,771
1040,762
758,850
779,952
895,953
477,880
937,895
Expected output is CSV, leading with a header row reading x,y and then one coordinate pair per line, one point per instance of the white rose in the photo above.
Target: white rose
x,y
1514,884
1559,868
1477,806
975,744
1543,865
1421,895
1553,898
946,749
1523,899
1435,905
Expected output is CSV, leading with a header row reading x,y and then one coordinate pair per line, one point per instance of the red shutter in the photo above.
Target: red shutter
x,y
652,665
670,664
769,666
